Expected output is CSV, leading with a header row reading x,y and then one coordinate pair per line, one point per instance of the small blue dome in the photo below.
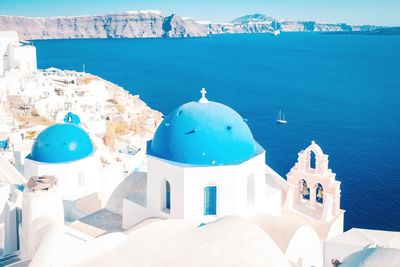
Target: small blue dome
x,y
61,143
72,118
204,134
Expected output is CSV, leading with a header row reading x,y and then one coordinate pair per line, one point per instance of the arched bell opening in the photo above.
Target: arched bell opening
x,y
313,160
319,194
304,189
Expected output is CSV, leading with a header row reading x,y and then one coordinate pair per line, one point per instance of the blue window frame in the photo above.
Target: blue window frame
x,y
210,200
167,195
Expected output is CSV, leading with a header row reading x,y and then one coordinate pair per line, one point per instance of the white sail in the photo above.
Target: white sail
x,y
281,118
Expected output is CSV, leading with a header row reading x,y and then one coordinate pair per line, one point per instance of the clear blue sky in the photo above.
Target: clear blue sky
x,y
379,12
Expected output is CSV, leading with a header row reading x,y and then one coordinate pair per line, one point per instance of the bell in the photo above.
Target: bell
x,y
320,193
305,191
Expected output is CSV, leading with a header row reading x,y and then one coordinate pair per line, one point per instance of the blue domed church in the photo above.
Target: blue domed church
x,y
66,152
203,163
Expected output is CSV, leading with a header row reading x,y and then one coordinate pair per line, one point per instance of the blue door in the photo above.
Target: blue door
x,y
167,196
210,200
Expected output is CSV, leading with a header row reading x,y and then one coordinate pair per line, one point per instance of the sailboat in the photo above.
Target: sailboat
x,y
281,118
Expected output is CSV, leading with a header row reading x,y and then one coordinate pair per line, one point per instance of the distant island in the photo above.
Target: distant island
x,y
381,31
154,24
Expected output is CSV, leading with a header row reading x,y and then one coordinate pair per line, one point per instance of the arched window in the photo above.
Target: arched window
x,y
210,200
250,191
319,194
312,160
167,196
304,189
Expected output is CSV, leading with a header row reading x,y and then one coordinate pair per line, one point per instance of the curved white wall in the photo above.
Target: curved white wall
x,y
39,210
305,248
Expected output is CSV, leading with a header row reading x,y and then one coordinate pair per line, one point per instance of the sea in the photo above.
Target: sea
x,y
343,91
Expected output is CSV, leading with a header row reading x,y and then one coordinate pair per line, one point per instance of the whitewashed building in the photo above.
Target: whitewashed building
x,y
203,164
66,151
16,55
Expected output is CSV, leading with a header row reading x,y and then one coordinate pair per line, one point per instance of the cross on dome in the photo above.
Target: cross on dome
x,y
203,92
203,98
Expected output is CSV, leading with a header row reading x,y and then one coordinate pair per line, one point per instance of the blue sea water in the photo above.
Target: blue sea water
x,y
343,91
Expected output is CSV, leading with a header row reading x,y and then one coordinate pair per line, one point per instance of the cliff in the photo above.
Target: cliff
x,y
260,23
153,24
133,24
383,31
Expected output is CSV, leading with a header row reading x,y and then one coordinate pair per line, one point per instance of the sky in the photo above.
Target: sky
x,y
377,12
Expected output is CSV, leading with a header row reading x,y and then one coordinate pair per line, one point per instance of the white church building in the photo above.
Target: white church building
x,y
66,151
203,164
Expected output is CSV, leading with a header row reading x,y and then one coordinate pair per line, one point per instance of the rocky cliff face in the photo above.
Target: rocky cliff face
x,y
312,26
259,23
175,26
152,24
135,24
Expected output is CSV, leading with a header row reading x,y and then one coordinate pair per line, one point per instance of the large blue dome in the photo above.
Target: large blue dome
x,y
61,143
204,134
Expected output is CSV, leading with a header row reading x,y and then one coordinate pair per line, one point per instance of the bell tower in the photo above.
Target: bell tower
x,y
313,186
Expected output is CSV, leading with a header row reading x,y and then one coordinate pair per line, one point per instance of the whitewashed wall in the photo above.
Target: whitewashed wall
x,y
24,58
5,39
187,185
39,211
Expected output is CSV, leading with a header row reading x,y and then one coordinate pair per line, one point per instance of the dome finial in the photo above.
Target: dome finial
x,y
203,98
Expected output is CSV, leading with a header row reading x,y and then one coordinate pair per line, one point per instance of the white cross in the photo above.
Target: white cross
x,y
203,92
203,98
